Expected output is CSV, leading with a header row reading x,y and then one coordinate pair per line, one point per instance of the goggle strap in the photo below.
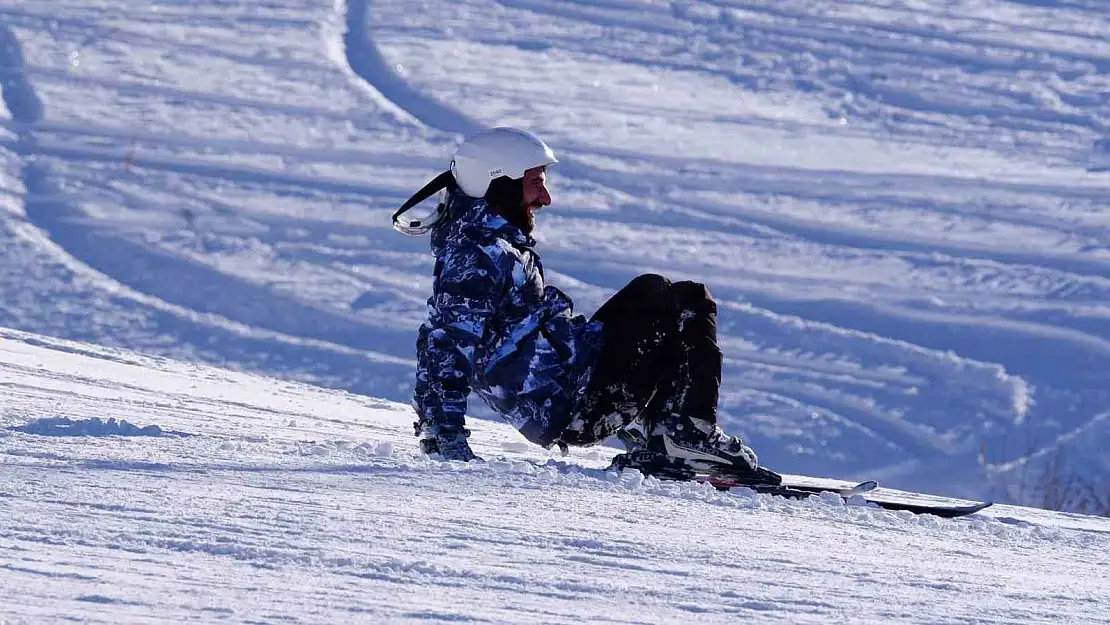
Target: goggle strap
x,y
417,227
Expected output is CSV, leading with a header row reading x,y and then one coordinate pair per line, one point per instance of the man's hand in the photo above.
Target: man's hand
x,y
449,444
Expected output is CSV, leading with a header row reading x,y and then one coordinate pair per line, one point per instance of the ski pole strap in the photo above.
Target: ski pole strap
x,y
420,226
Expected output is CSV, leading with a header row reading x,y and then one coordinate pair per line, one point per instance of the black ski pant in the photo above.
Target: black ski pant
x,y
659,357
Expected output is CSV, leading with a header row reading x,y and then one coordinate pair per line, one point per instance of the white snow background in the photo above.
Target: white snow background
x,y
210,324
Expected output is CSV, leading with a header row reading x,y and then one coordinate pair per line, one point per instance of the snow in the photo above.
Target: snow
x,y
287,502
900,207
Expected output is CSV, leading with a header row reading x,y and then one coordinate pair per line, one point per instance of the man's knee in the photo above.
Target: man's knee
x,y
649,285
693,294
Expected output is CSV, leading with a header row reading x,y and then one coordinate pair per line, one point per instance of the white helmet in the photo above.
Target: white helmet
x,y
497,152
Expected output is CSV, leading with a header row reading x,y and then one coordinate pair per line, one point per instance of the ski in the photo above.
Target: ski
x,y
947,511
863,490
788,489
771,483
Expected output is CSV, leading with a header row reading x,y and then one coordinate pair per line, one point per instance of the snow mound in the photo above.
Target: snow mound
x,y
64,426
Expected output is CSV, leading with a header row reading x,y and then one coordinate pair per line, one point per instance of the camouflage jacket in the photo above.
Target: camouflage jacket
x,y
494,327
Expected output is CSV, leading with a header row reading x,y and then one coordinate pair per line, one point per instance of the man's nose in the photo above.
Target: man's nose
x,y
545,196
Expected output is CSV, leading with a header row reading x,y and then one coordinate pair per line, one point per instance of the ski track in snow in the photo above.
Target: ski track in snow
x,y
902,219
289,502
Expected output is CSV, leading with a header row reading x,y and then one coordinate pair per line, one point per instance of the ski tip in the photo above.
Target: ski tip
x,y
943,511
959,511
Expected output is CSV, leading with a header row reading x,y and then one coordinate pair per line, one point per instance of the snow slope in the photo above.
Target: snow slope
x,y
900,205
217,496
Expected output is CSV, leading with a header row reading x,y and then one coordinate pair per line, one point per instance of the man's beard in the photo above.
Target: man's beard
x,y
523,217
505,192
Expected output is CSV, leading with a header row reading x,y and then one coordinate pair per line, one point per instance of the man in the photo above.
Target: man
x,y
646,366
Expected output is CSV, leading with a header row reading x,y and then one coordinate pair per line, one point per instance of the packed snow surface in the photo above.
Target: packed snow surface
x,y
900,206
264,501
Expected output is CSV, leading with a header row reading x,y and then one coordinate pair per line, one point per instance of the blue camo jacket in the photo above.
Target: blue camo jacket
x,y
494,327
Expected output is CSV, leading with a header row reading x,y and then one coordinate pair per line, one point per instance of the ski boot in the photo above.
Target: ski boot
x,y
704,450
705,447
651,462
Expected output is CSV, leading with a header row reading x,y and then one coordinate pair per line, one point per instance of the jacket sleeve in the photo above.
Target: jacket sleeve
x,y
469,283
